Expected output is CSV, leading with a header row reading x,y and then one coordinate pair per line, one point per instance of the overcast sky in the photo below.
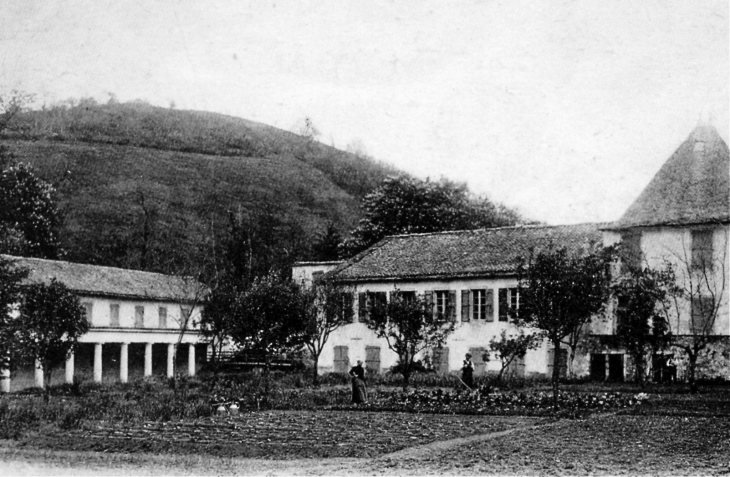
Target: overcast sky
x,y
564,110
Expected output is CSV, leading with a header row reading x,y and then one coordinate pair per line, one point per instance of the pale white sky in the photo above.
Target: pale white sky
x,y
564,110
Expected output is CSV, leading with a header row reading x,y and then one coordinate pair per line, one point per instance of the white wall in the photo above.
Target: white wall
x,y
356,336
102,332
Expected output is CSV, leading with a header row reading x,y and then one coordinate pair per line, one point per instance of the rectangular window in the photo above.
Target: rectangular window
x,y
162,317
139,317
514,301
114,315
631,249
408,297
479,304
703,314
88,308
702,249
185,312
442,304
344,307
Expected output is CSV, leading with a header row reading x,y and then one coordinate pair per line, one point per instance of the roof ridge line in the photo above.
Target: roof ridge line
x,y
16,257
489,229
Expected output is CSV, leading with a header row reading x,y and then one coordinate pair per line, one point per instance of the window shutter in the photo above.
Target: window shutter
x,y
452,305
503,306
550,361
362,306
139,317
162,317
347,303
114,315
465,305
489,297
88,308
428,298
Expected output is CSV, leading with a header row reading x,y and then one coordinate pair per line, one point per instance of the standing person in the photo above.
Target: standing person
x,y
359,391
467,371
671,370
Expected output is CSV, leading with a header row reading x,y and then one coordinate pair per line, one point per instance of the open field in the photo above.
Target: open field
x,y
672,433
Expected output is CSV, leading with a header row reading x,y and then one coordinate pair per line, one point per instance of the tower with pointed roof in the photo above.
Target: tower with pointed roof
x,y
682,219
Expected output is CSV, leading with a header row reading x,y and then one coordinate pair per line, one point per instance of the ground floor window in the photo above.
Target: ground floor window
x,y
607,367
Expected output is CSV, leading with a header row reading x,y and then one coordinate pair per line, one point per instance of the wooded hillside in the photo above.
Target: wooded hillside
x,y
146,187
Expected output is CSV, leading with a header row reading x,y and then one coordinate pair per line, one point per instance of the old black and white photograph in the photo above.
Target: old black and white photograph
x,y
337,237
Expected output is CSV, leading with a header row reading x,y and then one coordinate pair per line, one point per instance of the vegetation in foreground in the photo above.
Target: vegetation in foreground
x,y
670,432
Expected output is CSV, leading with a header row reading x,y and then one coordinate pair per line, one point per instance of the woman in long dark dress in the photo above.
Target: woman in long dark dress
x,y
359,391
467,372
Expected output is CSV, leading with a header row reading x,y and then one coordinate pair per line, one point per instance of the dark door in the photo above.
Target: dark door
x,y
616,367
598,367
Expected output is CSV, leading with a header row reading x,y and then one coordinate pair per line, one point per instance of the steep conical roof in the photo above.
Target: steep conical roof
x,y
692,187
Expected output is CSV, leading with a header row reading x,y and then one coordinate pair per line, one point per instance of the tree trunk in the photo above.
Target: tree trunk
x,y
47,379
556,371
315,375
692,372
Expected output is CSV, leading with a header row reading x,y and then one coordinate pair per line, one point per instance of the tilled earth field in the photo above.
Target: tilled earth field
x,y
280,434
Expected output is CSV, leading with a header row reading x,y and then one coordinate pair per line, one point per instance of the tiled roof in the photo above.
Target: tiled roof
x,y
692,187
466,253
107,281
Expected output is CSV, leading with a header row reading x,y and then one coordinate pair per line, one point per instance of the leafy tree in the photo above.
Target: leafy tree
x,y
29,218
50,322
11,278
217,317
409,326
259,242
327,245
510,348
403,205
642,297
327,306
268,316
559,294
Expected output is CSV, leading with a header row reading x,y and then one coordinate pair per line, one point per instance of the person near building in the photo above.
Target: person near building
x,y
359,389
467,371
671,370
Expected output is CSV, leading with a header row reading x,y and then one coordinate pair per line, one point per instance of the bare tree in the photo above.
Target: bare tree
x,y
188,292
700,295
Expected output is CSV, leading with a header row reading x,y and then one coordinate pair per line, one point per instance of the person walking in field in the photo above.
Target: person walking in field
x,y
467,371
359,390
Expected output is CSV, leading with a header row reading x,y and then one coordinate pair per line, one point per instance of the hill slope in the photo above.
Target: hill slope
x,y
142,186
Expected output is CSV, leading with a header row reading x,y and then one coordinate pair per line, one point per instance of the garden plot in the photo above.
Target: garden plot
x,y
282,434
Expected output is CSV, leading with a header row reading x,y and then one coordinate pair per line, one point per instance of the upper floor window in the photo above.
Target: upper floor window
x,y
114,314
88,308
139,317
631,248
444,305
509,303
703,315
702,249
481,305
162,317
185,312
442,302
